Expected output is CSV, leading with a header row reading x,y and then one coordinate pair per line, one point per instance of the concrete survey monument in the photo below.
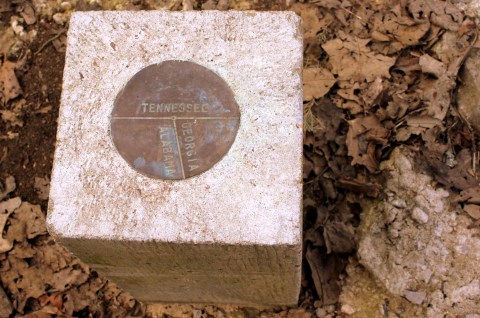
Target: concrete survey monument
x,y
177,171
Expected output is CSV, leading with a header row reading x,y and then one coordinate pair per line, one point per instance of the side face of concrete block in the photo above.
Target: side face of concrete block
x,y
206,273
251,198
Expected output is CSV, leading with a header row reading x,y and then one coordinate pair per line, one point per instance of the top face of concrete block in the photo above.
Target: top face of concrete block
x,y
174,120
251,196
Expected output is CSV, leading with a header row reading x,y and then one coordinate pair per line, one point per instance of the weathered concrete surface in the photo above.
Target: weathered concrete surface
x,y
231,234
418,245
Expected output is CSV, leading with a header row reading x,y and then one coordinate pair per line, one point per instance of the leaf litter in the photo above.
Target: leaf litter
x,y
396,69
377,75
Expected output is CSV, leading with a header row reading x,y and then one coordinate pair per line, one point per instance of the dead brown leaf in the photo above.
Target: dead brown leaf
x,y
403,29
311,22
372,92
408,64
7,208
67,278
316,82
363,135
432,66
328,116
27,222
416,125
349,90
325,271
470,195
5,5
45,312
473,210
9,85
459,177
352,59
436,94
32,282
329,4
23,250
353,108
423,122
339,237
310,122
6,307
369,189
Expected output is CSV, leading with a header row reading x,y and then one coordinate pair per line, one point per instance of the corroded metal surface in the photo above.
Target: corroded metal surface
x,y
174,120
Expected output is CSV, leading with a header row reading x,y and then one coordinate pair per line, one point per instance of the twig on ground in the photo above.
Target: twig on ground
x,y
44,45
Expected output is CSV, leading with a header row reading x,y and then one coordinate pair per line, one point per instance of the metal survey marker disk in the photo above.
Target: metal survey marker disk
x,y
174,120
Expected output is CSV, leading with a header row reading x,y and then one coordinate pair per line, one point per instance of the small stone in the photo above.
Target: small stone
x,y
321,312
400,204
317,304
419,215
66,5
415,297
347,309
59,18
330,308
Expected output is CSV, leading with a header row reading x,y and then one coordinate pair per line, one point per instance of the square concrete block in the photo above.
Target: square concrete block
x,y
231,234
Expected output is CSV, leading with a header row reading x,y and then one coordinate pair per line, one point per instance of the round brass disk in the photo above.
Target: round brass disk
x,y
174,120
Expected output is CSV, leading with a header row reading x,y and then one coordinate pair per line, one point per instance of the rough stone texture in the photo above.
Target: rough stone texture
x,y
232,234
435,263
469,91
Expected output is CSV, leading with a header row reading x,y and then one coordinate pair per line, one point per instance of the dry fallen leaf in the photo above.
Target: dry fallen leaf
x,y
311,23
473,210
9,86
316,82
351,59
28,221
432,66
5,5
403,29
7,208
470,195
310,122
436,94
371,93
6,307
325,270
363,135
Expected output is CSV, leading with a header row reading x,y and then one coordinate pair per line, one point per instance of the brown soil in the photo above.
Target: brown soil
x,y
31,154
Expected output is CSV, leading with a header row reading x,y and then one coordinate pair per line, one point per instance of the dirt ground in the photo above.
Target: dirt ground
x,y
377,75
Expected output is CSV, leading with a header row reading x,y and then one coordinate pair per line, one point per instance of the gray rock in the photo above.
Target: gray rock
x,y
415,297
419,215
